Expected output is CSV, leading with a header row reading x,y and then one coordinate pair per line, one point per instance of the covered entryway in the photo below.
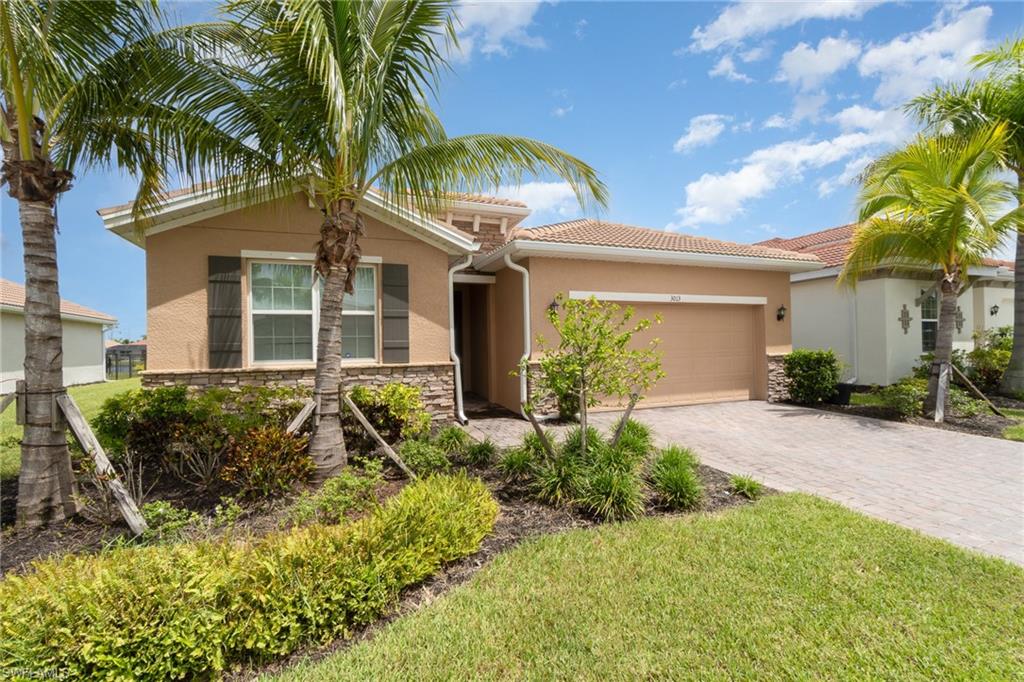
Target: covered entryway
x,y
709,352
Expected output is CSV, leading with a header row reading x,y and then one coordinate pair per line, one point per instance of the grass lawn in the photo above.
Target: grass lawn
x,y
871,399
1015,432
89,399
792,587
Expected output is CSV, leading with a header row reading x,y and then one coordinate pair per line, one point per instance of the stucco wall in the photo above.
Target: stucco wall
x,y
83,351
986,296
823,318
176,262
508,336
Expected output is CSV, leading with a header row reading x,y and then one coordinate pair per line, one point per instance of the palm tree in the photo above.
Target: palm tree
x,y
974,105
85,84
346,87
934,204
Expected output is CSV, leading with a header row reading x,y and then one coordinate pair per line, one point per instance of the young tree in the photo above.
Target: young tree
x,y
934,204
968,107
346,88
595,357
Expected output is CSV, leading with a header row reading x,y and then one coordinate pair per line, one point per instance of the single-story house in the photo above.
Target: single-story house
x,y
83,339
125,359
881,328
449,303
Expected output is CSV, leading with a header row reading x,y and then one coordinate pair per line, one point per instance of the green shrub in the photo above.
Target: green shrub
x,y
267,461
423,457
452,439
813,375
395,410
532,444
557,481
194,610
988,361
964,404
906,397
636,439
611,493
746,486
166,522
351,490
481,454
674,477
517,464
573,438
923,368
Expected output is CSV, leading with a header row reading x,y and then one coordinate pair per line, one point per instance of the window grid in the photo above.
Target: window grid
x,y
929,321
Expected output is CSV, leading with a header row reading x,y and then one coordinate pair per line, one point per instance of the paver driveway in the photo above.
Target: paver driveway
x,y
966,489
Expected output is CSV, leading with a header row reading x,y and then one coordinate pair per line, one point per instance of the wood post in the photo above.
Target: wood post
x,y
302,416
87,440
543,437
976,391
625,418
376,436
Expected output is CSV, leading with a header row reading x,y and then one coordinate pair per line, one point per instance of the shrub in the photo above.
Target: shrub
x,y
813,375
612,493
988,361
556,481
395,410
517,464
481,454
906,397
166,522
267,461
452,439
573,439
423,457
350,490
746,486
674,478
532,444
636,439
963,404
194,610
923,368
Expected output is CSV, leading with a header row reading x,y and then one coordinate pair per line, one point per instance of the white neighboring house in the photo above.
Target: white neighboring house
x,y
84,361
881,328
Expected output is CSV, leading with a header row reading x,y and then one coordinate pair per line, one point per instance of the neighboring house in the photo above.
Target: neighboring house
x,y
881,328
125,359
232,297
83,339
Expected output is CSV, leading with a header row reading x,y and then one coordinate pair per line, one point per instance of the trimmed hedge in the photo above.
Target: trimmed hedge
x,y
193,610
813,375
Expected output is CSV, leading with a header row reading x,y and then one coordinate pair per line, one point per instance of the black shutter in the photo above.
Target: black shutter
x,y
224,311
395,313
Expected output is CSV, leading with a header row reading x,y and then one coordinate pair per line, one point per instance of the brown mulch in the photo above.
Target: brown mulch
x,y
984,424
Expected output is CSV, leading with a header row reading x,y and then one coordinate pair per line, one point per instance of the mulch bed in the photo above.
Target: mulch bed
x,y
984,424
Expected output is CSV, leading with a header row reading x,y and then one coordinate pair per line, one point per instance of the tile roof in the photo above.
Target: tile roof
x,y
832,245
486,199
13,294
598,233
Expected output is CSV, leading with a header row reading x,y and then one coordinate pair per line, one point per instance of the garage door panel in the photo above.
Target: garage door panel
x,y
707,352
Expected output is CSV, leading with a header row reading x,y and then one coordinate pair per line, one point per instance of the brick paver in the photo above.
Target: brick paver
x,y
963,488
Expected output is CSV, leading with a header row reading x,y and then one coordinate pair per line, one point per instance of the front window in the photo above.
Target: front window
x,y
285,311
929,321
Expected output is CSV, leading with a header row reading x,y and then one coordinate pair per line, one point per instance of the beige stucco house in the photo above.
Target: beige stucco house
x,y
881,328
449,303
82,339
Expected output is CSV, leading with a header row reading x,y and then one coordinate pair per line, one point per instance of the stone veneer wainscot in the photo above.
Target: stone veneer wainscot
x,y
436,381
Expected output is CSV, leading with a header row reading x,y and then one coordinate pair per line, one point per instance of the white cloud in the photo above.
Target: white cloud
x,y
677,83
581,29
702,131
491,27
544,197
562,112
776,121
807,67
808,106
850,172
907,65
727,68
858,117
743,126
742,20
755,54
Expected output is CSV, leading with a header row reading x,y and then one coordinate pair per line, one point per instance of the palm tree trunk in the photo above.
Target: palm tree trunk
x,y
1013,378
337,258
950,290
45,484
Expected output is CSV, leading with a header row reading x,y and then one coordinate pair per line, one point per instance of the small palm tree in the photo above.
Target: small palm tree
x,y
934,204
968,107
85,84
345,86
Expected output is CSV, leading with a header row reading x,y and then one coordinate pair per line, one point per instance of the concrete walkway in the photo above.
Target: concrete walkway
x,y
963,488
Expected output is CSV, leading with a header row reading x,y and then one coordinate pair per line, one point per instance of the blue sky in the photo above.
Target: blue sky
x,y
730,120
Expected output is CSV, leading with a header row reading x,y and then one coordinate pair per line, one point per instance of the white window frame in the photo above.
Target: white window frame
x,y
929,319
270,257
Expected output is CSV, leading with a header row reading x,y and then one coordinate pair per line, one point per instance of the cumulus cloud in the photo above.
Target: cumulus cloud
x,y
742,20
544,198
850,172
726,68
492,27
755,54
776,121
910,63
562,112
702,131
807,67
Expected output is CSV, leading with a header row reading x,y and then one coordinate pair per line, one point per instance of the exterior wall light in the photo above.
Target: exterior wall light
x,y
780,314
993,311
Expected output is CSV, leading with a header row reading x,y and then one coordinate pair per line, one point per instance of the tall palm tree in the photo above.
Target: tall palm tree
x,y
934,204
971,106
85,84
346,86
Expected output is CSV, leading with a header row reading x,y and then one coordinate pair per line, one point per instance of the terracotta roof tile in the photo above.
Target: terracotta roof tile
x,y
13,294
599,233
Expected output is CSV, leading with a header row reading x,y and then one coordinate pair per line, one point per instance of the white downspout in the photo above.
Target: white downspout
x,y
459,414
524,396
854,338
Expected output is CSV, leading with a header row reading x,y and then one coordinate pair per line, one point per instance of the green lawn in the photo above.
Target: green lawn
x,y
792,587
89,399
865,399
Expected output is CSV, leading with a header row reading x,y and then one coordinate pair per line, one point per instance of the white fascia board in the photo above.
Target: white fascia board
x,y
463,278
529,248
451,240
71,317
817,274
643,297
484,207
